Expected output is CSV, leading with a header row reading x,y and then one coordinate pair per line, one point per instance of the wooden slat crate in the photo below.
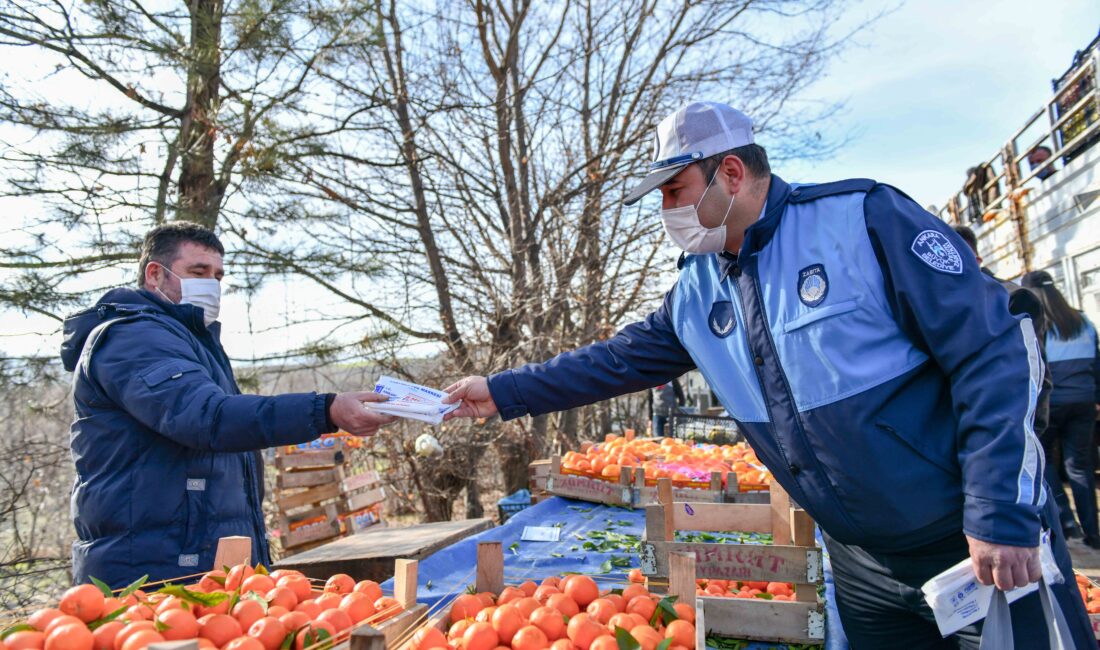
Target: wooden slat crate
x,y
586,488
645,489
794,557
318,499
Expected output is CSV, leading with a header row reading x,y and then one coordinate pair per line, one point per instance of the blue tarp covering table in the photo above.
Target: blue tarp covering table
x,y
451,569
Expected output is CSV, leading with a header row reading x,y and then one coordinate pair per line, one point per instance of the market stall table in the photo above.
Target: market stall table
x,y
448,571
370,555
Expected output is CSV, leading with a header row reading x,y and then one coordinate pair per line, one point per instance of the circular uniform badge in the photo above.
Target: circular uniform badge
x,y
813,285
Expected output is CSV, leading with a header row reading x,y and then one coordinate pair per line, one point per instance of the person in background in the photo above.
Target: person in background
x,y
165,445
1025,302
1037,157
667,398
1074,363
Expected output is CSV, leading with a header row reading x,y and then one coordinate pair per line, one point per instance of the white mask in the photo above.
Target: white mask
x,y
200,292
685,230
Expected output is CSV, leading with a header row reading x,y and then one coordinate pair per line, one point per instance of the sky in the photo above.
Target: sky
x,y
932,88
939,85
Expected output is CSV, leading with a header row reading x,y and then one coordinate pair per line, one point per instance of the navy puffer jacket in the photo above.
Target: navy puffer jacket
x,y
163,441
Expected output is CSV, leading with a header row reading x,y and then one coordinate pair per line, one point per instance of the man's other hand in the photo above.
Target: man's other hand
x,y
348,413
476,400
1008,567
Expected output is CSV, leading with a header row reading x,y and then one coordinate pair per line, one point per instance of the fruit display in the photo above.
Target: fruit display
x,y
1090,594
562,613
244,608
685,463
763,590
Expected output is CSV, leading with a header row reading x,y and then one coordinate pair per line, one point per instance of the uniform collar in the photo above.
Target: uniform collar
x,y
760,233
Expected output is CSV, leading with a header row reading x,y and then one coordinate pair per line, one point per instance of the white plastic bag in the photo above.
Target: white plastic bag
x,y
957,600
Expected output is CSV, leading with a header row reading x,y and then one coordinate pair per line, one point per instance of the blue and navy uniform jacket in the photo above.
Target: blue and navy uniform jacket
x,y
1074,366
873,367
163,441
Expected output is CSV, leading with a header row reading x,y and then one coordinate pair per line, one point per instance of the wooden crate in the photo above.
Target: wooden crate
x,y
385,634
794,557
577,486
538,473
489,577
645,489
318,499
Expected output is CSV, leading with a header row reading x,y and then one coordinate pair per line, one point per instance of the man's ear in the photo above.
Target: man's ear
x,y
734,170
153,275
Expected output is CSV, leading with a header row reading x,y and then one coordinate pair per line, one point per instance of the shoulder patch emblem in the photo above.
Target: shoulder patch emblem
x,y
934,249
813,285
722,320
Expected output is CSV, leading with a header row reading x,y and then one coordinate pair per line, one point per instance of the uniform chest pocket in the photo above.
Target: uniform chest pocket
x,y
166,371
820,313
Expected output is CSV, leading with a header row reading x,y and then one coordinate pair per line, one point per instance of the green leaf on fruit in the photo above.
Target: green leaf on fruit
x,y
625,641
261,570
252,595
100,622
19,627
665,611
194,597
663,645
103,587
135,585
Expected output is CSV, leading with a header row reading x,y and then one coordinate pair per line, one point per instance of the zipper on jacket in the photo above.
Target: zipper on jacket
x,y
736,273
794,410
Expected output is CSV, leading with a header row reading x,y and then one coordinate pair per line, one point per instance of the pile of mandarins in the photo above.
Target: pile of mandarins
x,y
1090,593
681,461
241,609
569,613
733,588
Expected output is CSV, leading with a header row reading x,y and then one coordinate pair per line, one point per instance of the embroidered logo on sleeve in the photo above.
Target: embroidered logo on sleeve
x,y
934,249
813,285
721,319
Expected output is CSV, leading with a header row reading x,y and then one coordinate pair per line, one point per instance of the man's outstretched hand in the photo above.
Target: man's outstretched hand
x,y
348,413
476,400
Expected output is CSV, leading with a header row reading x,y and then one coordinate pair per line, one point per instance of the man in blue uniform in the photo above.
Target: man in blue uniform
x,y
873,367
165,444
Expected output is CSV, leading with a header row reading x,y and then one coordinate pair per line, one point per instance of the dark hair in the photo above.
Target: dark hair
x,y
968,236
1067,321
162,244
1041,147
752,155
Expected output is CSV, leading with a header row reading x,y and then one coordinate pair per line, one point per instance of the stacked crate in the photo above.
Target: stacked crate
x,y
320,495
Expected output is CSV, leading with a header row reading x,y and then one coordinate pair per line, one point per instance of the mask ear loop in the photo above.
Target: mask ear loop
x,y
730,207
158,288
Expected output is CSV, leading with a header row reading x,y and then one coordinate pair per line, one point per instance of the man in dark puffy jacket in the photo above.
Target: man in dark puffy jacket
x,y
165,445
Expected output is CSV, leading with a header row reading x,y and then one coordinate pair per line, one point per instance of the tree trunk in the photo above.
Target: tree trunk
x,y
199,193
474,509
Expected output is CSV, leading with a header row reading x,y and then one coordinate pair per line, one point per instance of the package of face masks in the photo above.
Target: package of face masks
x,y
412,401
957,598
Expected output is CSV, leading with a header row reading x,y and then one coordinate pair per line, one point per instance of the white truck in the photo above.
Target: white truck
x,y
1035,205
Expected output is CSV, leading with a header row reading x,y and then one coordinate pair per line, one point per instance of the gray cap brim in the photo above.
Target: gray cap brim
x,y
651,182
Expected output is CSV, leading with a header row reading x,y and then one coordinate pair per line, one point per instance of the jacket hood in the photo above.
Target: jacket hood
x,y
119,303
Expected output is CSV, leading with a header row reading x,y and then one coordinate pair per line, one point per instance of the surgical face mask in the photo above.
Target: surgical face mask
x,y
200,292
685,230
